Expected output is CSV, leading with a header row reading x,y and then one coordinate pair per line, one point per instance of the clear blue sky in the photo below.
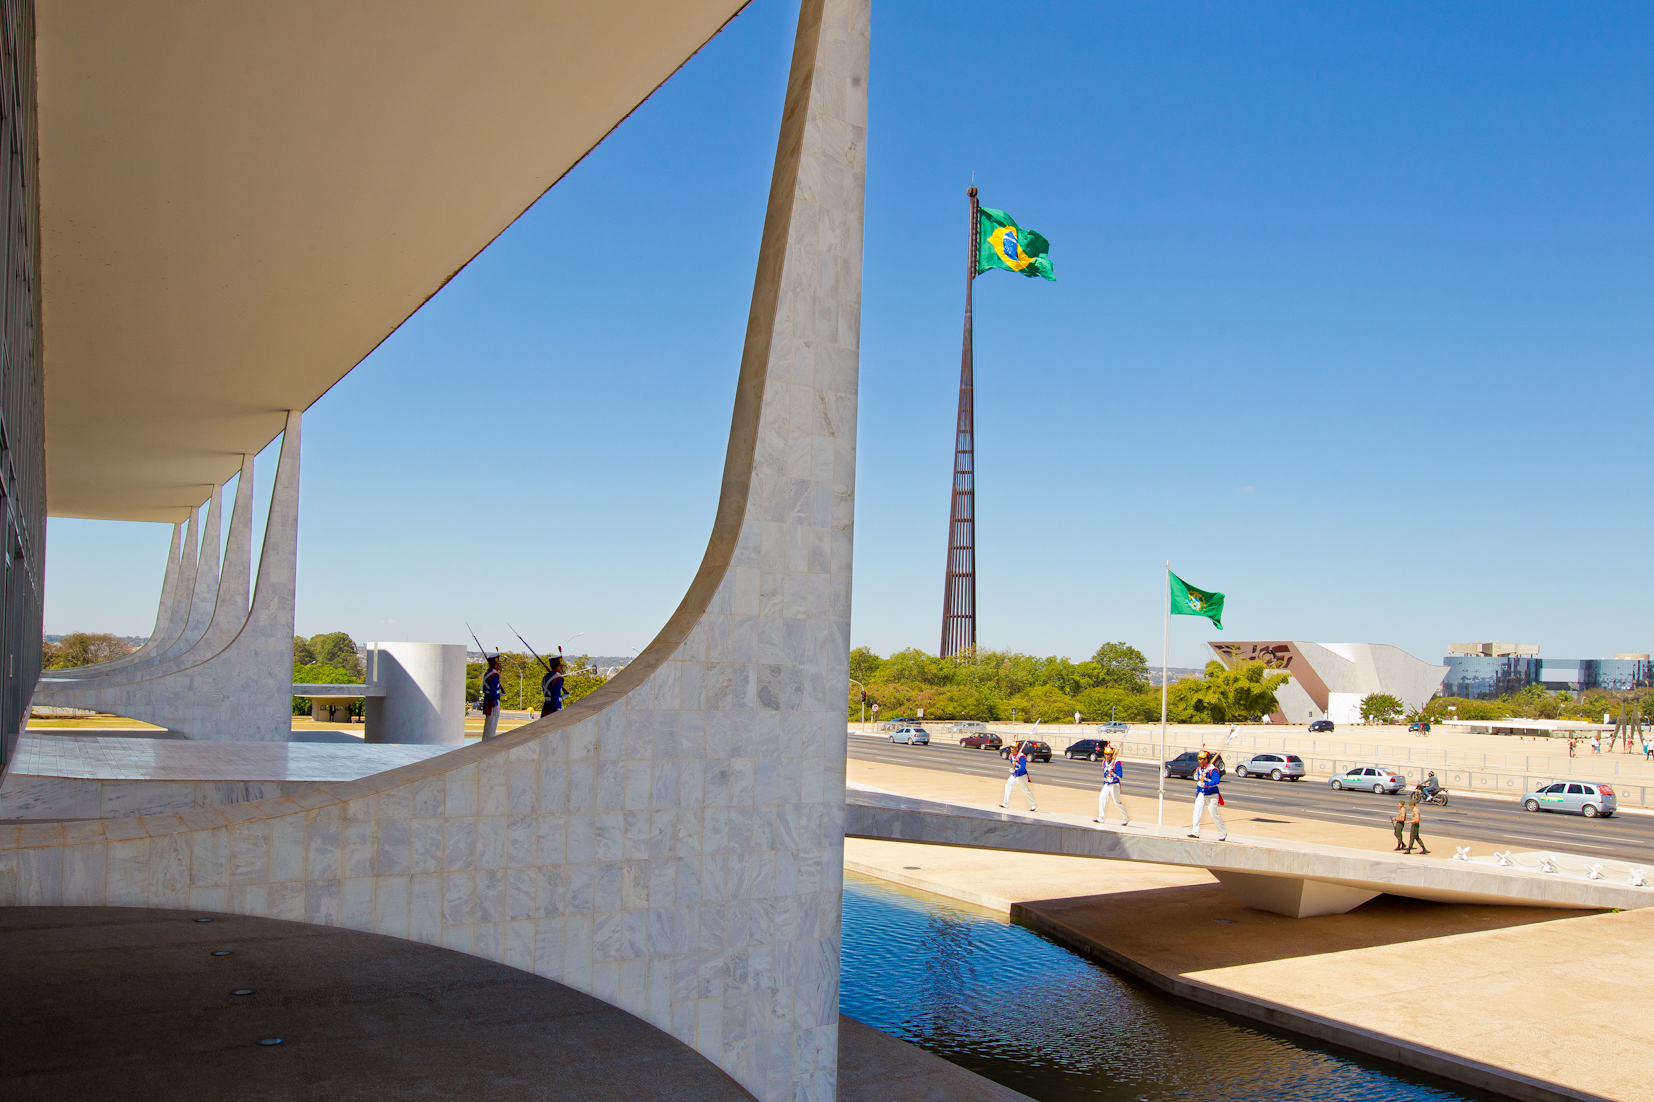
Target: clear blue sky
x,y
1353,324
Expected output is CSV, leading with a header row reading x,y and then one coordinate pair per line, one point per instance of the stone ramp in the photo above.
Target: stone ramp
x,y
54,777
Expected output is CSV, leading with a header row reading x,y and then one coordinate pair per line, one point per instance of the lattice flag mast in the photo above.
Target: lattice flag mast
x,y
995,241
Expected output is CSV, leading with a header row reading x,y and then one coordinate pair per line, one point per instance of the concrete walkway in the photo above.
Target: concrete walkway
x,y
132,1004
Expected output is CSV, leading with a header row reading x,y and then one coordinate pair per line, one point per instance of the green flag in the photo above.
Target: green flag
x,y
1001,243
1189,601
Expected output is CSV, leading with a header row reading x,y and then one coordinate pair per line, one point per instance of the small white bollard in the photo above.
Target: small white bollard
x,y
1547,865
1637,876
1462,854
1593,872
1503,858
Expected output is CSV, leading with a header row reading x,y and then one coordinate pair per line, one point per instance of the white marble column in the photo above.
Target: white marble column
x,y
235,681
673,842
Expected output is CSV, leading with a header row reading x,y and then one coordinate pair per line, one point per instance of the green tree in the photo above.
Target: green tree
x,y
82,648
1380,707
1233,696
1044,702
864,664
338,650
1122,666
312,674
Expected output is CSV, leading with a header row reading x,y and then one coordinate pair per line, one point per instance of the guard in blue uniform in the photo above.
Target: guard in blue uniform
x,y
491,698
1114,773
551,687
1207,776
1018,780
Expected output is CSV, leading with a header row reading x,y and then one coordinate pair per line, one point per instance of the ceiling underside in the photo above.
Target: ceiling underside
x,y
240,200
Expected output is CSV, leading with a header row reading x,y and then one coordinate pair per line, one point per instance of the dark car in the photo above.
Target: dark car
x,y
1320,725
1089,748
985,740
1185,764
1037,751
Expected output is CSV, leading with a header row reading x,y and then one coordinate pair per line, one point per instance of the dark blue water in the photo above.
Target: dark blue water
x,y
1005,1002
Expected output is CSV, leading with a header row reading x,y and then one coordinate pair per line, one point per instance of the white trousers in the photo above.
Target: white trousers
x,y
1203,804
1018,784
1111,792
492,724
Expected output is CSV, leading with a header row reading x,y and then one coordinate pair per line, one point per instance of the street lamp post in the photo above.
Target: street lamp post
x,y
863,689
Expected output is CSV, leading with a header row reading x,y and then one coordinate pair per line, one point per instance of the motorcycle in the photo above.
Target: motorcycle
x,y
1438,797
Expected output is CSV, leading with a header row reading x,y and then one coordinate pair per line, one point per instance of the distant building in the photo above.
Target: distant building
x,y
1329,680
1493,650
1485,674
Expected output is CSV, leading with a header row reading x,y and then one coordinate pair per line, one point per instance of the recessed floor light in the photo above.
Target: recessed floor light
x,y
221,952
203,920
242,991
269,1040
1226,921
913,867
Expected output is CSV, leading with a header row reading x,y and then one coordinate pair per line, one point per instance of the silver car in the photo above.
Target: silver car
x,y
1114,729
911,736
1576,797
1370,778
1274,765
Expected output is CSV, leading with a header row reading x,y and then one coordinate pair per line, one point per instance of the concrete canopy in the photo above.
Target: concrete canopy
x,y
240,201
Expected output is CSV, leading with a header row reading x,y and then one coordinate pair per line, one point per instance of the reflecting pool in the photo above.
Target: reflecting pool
x,y
1011,1005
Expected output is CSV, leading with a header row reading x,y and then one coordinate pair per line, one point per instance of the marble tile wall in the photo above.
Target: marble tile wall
x,y
673,842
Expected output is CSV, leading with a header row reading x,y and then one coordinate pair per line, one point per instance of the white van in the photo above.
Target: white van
x,y
967,727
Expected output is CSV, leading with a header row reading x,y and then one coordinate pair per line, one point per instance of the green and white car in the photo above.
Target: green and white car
x,y
1575,797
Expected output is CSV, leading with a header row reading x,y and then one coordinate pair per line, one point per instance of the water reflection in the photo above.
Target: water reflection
x,y
1006,1003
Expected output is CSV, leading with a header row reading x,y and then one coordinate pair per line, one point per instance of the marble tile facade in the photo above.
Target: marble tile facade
x,y
673,842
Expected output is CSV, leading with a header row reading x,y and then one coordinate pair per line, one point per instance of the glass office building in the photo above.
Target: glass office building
x,y
1483,677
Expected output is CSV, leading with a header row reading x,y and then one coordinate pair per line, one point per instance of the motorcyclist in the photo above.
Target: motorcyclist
x,y
1430,786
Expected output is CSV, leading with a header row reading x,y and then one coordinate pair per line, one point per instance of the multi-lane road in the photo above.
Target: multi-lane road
x,y
1499,823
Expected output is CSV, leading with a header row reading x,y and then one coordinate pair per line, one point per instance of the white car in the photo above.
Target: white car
x,y
910,736
1369,778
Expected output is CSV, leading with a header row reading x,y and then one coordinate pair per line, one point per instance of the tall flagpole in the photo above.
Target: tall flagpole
x,y
959,582
1165,647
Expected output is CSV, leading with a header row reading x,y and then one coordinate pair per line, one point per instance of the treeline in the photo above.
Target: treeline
x,y
520,675
1535,702
82,648
328,658
1113,683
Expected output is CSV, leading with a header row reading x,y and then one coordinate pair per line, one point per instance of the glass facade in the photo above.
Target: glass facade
x,y
22,389
1479,677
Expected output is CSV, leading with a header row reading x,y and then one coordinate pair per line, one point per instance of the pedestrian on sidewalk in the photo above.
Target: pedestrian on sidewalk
x,y
1399,821
491,698
1207,798
1571,742
1113,774
1413,839
1596,743
1018,780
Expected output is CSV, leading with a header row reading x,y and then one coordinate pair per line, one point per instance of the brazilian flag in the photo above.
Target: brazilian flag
x,y
1189,601
1001,243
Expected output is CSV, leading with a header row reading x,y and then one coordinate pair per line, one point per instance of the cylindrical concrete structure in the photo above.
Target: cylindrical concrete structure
x,y
424,699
